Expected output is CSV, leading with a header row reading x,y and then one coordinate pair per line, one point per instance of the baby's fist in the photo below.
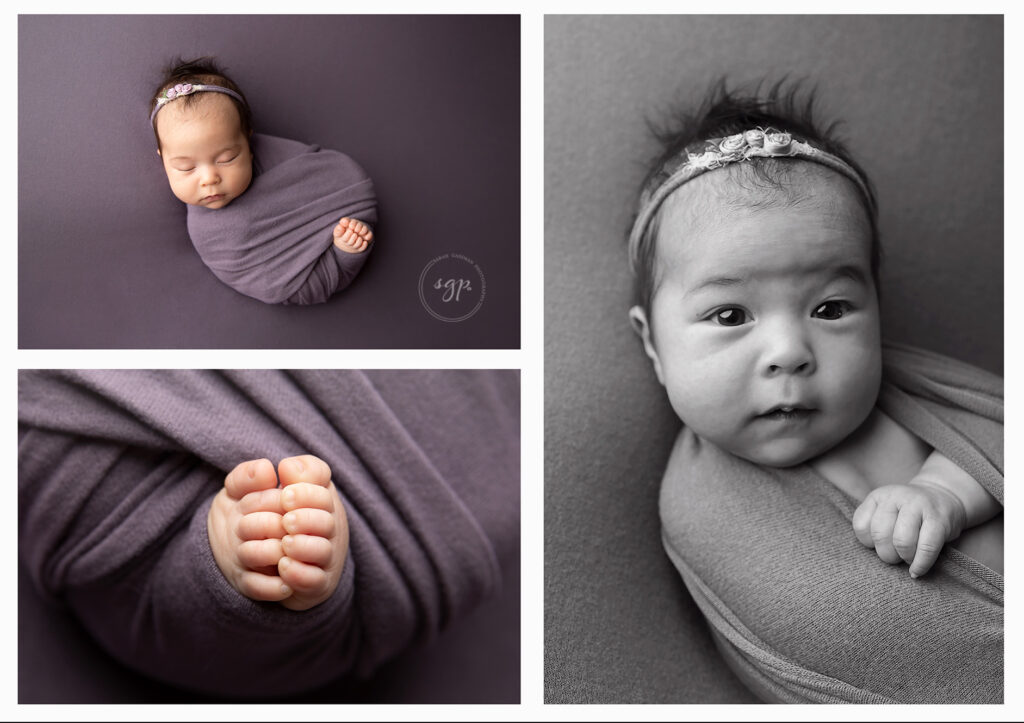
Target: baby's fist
x,y
909,523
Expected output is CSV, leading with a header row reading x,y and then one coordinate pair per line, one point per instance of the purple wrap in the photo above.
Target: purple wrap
x,y
275,242
117,470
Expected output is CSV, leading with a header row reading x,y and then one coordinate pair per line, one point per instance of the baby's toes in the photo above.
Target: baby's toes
x,y
251,476
304,468
308,548
309,521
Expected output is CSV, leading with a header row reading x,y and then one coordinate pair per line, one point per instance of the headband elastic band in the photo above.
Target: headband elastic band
x,y
188,89
718,152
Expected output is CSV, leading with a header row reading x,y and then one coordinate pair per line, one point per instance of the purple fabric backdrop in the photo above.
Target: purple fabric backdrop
x,y
429,106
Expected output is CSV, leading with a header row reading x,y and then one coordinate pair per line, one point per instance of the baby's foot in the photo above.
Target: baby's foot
x,y
245,530
352,236
315,543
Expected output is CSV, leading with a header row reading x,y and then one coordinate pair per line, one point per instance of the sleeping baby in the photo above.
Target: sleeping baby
x,y
274,219
755,250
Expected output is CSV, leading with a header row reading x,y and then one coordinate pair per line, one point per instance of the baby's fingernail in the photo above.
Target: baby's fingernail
x,y
288,496
285,590
287,540
288,521
913,574
285,563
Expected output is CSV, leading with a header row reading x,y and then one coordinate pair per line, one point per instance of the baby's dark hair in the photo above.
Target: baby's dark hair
x,y
200,70
784,106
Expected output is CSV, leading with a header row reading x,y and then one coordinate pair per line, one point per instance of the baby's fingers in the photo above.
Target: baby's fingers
x,y
929,544
308,521
255,554
251,476
862,521
260,526
302,577
308,548
905,533
304,494
262,501
882,524
258,586
304,468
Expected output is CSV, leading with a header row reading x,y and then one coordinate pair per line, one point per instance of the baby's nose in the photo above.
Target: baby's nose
x,y
789,353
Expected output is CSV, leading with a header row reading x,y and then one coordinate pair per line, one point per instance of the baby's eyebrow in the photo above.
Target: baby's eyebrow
x,y
849,271
222,150
718,281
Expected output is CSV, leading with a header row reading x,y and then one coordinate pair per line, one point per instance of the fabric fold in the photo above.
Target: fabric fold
x,y
275,242
771,559
113,466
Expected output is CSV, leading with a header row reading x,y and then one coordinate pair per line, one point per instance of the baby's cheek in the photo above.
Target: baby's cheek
x,y
704,400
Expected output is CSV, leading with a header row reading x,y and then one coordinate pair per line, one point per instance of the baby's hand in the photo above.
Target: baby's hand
x,y
245,530
909,523
352,235
315,543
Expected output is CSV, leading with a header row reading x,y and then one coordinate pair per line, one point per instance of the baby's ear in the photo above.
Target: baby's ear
x,y
638,320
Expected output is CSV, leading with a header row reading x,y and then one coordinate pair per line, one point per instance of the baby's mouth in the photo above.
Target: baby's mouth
x,y
783,412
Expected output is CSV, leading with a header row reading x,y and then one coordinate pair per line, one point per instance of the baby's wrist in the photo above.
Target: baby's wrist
x,y
954,509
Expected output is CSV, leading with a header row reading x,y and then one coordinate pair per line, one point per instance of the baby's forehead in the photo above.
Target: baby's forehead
x,y
212,107
720,197
732,206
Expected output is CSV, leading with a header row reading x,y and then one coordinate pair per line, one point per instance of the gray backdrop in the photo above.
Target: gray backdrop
x,y
922,101
429,106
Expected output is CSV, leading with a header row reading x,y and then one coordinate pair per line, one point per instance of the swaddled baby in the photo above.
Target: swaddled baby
x,y
274,219
755,249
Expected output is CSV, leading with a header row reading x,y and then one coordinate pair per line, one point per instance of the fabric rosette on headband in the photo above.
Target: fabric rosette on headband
x,y
699,158
180,90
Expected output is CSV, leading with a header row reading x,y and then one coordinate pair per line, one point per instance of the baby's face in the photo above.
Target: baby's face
x,y
764,324
205,153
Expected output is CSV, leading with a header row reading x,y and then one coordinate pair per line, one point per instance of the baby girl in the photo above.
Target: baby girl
x,y
755,249
279,238
280,536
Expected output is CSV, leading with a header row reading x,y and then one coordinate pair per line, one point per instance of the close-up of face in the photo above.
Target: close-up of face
x,y
205,153
764,322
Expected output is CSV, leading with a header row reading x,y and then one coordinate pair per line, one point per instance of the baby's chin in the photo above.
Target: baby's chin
x,y
213,205
781,453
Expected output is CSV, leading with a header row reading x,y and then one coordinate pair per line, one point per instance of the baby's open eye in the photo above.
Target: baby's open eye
x,y
831,310
729,317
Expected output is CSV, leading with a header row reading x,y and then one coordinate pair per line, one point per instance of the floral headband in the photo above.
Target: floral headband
x,y
705,156
182,89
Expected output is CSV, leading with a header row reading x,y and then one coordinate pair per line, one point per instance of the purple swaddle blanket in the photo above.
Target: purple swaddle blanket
x,y
117,470
275,242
